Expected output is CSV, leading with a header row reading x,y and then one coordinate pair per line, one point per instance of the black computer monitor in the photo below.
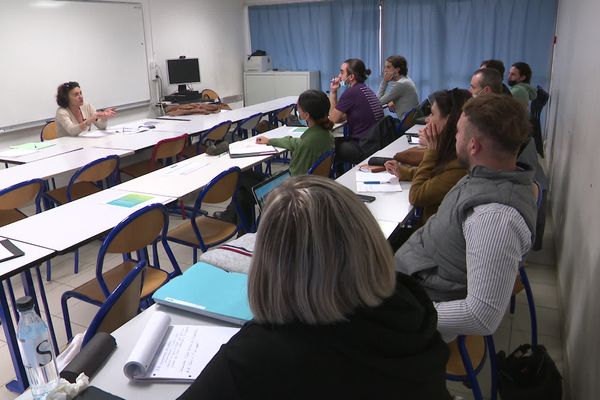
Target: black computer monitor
x,y
182,71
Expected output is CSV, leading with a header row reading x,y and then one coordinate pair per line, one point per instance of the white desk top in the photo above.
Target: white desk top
x,y
391,207
189,175
415,129
71,224
61,147
33,255
111,377
54,165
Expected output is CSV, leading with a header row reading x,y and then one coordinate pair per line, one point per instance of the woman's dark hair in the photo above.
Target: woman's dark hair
x,y
62,93
450,103
399,62
316,104
357,68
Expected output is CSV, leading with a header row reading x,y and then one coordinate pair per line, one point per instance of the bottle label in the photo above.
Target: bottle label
x,y
36,352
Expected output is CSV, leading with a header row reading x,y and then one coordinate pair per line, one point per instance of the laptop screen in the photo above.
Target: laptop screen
x,y
264,188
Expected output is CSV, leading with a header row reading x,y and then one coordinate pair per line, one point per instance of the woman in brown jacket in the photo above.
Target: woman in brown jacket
x,y
439,170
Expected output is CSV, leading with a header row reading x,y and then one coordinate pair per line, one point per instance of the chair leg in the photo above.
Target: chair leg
x,y
48,271
13,300
46,308
76,265
67,318
195,259
512,304
531,305
464,355
489,340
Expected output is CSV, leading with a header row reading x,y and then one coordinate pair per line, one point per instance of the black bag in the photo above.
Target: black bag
x,y
528,374
379,136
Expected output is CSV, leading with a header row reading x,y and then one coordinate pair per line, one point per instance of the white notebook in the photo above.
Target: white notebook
x,y
174,353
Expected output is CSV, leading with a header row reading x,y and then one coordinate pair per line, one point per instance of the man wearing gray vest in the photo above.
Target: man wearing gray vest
x,y
467,255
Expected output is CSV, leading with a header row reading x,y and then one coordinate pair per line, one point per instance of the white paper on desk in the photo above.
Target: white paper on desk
x,y
174,352
413,140
17,152
363,187
375,177
96,134
250,147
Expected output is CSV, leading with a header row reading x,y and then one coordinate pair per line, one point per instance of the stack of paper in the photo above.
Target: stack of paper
x,y
249,148
377,182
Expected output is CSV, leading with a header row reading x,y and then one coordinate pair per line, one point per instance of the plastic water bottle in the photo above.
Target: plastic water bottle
x,y
36,351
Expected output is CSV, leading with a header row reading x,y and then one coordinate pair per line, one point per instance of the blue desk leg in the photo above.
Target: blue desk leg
x,y
20,383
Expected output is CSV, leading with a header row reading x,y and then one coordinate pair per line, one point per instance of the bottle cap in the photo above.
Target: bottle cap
x,y
24,303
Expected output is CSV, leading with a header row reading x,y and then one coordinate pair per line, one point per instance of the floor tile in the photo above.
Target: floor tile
x,y
543,296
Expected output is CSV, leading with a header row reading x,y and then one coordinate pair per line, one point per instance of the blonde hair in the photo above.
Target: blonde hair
x,y
319,255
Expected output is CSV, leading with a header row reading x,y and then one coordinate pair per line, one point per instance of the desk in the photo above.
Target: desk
x,y
186,176
59,148
392,207
111,378
72,224
34,255
415,129
53,166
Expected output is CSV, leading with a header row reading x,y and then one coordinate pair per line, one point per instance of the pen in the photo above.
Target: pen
x,y
374,183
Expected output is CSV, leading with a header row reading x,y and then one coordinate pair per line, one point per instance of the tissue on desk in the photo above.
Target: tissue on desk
x,y
66,390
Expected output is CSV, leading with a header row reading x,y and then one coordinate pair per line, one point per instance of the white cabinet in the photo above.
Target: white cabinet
x,y
264,86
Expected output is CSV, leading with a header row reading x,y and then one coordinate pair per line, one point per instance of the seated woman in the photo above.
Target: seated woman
x,y
331,319
313,107
439,170
73,116
397,90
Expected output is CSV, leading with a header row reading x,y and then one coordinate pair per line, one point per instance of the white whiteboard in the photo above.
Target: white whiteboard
x,y
45,43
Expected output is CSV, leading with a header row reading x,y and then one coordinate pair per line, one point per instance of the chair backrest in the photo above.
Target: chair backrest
x,y
322,167
251,122
120,306
284,112
408,120
132,235
210,94
217,132
169,148
219,189
48,131
21,194
97,170
137,231
537,104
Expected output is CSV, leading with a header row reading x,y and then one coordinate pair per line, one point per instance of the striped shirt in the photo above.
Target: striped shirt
x,y
497,238
362,109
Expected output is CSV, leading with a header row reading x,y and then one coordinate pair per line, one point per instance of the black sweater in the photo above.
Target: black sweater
x,y
390,351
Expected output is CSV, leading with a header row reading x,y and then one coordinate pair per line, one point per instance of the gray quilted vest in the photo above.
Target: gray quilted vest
x,y
435,254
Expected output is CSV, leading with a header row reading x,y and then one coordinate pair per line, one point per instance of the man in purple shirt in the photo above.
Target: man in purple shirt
x,y
358,105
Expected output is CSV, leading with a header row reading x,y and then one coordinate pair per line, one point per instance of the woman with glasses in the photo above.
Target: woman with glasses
x,y
439,170
73,116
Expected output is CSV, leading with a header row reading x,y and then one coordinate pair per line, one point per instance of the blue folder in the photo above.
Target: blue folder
x,y
207,290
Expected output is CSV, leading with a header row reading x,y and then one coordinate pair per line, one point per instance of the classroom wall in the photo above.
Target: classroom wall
x,y
208,29
572,146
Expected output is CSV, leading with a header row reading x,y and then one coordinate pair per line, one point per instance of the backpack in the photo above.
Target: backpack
x,y
528,373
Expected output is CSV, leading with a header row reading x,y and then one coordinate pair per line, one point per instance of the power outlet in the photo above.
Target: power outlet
x,y
154,72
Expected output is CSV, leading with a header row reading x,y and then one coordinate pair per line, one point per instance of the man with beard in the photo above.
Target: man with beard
x,y
467,255
519,77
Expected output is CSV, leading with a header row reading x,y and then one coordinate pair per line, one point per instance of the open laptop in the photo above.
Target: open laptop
x,y
262,190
